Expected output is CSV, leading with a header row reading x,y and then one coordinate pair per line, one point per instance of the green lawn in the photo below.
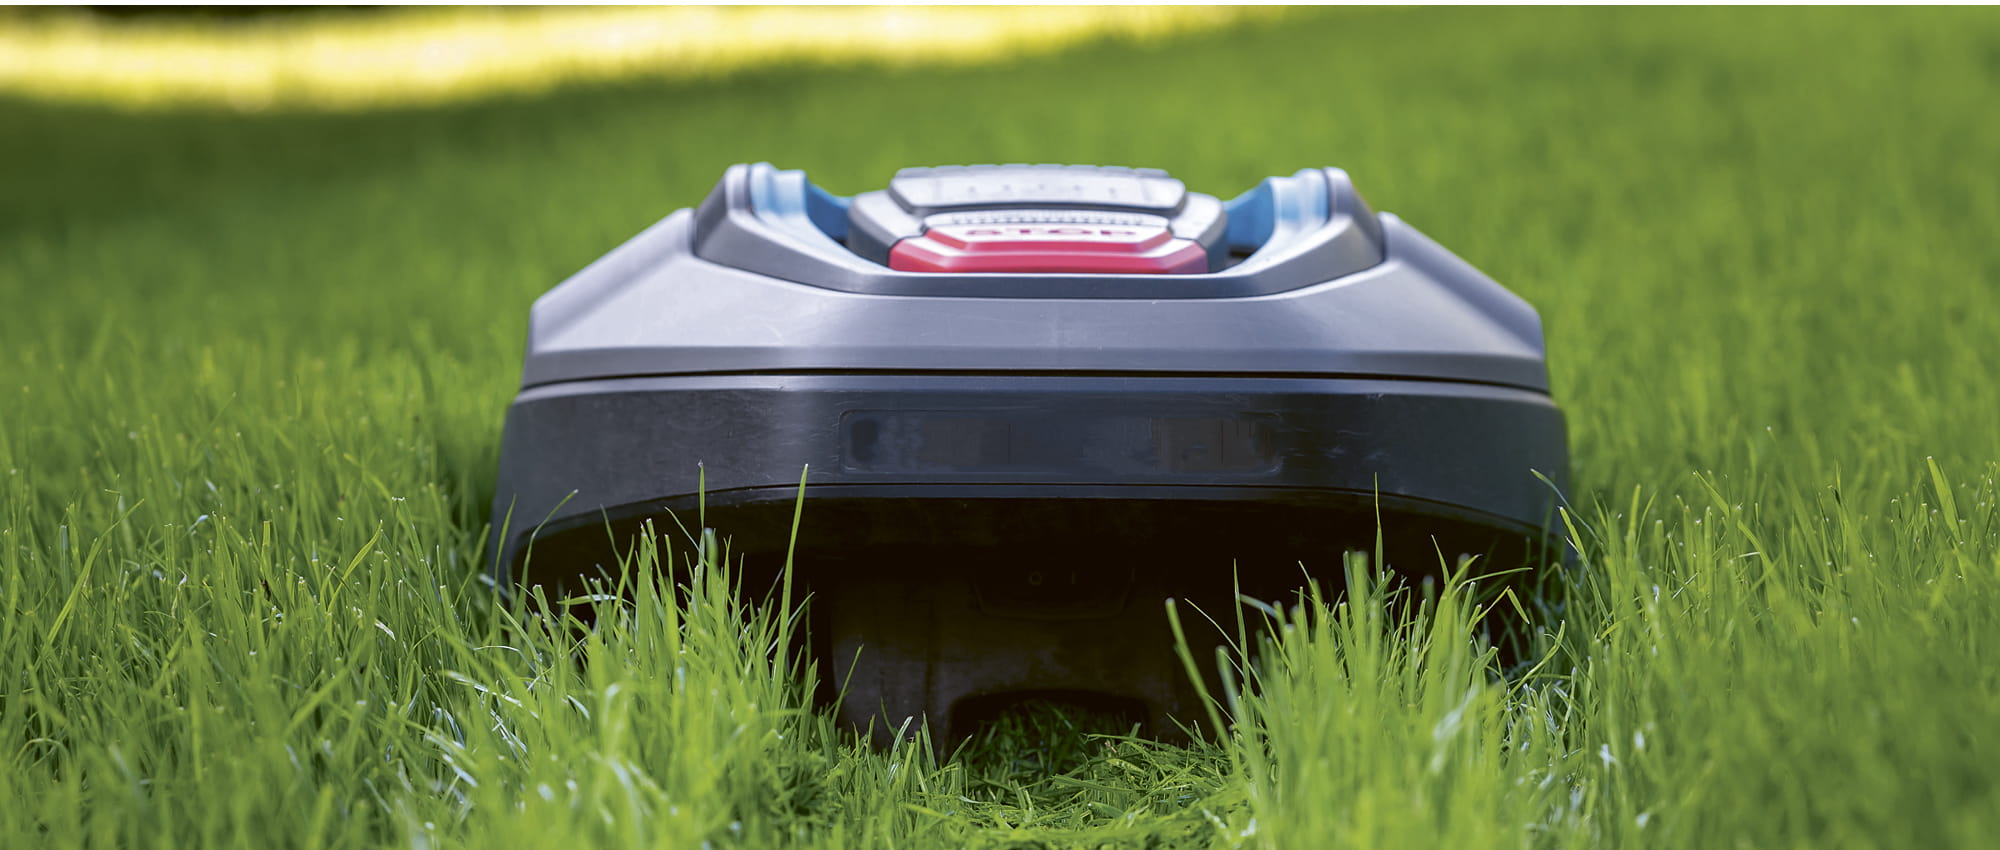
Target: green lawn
x,y
252,370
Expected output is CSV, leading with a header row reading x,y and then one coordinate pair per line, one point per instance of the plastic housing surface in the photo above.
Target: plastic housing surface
x,y
965,431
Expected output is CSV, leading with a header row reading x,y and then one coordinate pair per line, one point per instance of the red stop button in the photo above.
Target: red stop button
x,y
1087,248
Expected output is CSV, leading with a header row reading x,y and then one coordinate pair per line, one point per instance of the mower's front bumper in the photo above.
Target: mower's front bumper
x,y
970,539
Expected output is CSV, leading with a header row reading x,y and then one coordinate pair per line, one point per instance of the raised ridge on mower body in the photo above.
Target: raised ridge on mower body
x,y
1036,401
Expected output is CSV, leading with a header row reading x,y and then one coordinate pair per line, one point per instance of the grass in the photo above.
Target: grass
x,y
255,364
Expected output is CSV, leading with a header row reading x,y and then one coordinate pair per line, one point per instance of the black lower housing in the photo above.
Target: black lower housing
x,y
974,540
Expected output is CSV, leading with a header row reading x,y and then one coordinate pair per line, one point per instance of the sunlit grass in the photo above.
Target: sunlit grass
x,y
412,57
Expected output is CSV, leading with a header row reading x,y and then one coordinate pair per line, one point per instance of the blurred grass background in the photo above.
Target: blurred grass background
x,y
255,360
276,57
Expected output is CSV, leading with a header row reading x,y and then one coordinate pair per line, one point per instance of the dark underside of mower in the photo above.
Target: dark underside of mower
x,y
912,588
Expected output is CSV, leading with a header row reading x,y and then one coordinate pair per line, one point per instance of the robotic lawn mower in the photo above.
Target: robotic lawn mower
x,y
1036,401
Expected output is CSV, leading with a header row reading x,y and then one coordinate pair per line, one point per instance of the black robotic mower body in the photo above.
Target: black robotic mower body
x,y
1036,401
